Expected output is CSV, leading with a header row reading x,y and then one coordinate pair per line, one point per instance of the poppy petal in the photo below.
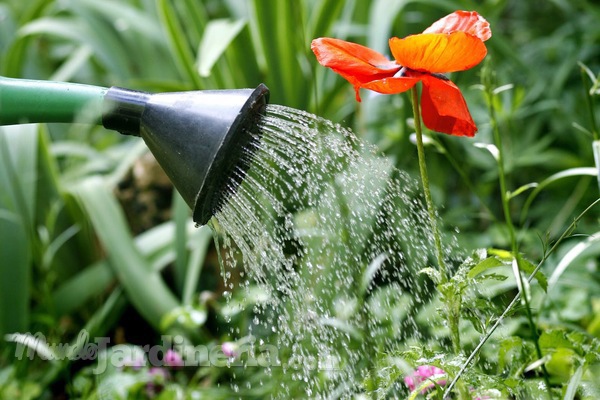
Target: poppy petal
x,y
391,85
352,58
438,52
444,109
356,63
464,21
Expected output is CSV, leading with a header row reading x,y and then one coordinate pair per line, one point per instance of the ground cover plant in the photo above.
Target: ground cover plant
x,y
94,243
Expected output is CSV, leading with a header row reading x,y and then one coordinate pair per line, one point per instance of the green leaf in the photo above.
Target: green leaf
x,y
507,256
596,151
18,173
590,243
201,242
568,173
18,180
488,263
343,326
184,59
371,271
88,283
574,384
504,255
217,36
521,190
555,338
144,287
181,214
155,244
15,274
528,267
323,16
382,14
106,45
282,47
137,20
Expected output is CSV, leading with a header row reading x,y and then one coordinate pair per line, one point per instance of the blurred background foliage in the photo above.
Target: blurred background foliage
x,y
93,238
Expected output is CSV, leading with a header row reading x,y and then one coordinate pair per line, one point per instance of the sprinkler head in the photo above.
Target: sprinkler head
x,y
199,137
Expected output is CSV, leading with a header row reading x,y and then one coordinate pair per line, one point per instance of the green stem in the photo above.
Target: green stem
x,y
426,190
453,304
511,230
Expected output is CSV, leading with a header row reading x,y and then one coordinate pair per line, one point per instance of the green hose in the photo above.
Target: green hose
x,y
28,101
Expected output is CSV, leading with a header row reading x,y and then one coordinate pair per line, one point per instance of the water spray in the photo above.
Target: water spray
x,y
197,137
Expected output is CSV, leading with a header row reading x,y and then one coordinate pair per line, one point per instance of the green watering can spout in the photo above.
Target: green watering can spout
x,y
198,137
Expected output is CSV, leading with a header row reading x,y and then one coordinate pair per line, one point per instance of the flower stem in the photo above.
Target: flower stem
x,y
426,190
453,304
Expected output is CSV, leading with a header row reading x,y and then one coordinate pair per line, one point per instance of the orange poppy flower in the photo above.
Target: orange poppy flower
x,y
454,43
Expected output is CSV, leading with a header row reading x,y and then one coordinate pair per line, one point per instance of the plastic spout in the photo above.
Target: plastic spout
x,y
197,137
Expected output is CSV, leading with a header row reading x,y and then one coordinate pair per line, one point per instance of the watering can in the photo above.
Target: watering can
x,y
198,137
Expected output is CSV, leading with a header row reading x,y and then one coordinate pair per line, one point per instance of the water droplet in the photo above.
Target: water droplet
x,y
317,206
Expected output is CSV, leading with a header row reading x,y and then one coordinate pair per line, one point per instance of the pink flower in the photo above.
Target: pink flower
x,y
173,359
229,349
423,373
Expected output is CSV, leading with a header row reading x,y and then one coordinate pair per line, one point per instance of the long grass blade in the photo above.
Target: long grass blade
x,y
156,245
574,384
103,41
217,37
184,57
89,283
145,288
323,17
589,244
15,274
568,173
275,26
196,261
18,180
181,215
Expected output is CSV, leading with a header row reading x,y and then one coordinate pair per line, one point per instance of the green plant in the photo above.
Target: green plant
x,y
72,261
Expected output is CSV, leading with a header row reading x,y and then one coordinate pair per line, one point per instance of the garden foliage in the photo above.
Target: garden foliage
x,y
81,256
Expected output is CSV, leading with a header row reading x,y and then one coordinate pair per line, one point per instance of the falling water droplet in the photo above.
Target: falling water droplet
x,y
314,212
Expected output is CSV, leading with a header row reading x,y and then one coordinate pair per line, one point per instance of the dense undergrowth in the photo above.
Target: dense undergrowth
x,y
72,271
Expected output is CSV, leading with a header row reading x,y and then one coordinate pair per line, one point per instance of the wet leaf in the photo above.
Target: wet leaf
x,y
371,271
488,263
